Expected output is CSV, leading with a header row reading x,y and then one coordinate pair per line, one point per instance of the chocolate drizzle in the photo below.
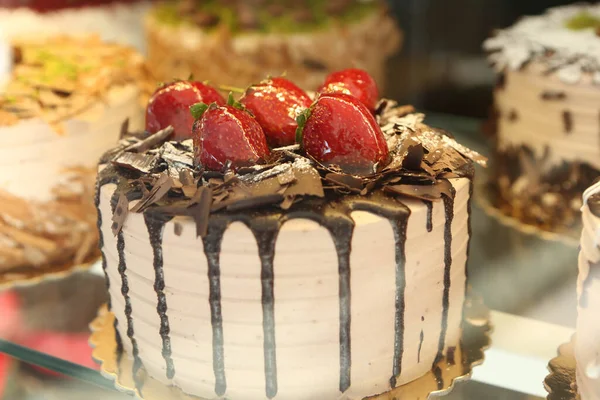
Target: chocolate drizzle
x,y
266,240
212,249
421,338
449,208
155,228
122,269
429,205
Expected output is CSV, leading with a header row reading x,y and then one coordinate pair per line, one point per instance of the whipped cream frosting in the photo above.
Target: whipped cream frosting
x,y
557,121
35,159
546,39
315,343
121,23
587,343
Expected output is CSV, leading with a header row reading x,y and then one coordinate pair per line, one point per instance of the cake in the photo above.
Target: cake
x,y
587,346
237,42
59,112
547,142
114,20
242,271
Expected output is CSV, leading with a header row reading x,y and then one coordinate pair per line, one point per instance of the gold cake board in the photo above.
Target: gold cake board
x,y
483,200
440,381
561,382
30,277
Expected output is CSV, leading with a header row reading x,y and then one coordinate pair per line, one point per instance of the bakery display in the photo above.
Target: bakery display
x,y
237,42
60,110
547,141
120,21
587,347
240,268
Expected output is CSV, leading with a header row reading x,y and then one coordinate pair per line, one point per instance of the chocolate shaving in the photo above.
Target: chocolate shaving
x,y
200,210
160,188
120,215
414,156
177,229
347,181
151,141
143,163
188,183
255,202
124,129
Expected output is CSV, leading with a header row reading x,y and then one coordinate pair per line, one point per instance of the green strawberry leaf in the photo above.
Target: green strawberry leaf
x,y
198,110
301,120
231,101
191,77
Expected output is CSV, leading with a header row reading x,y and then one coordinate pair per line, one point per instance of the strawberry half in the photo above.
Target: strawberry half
x,y
338,129
227,133
170,106
276,103
355,82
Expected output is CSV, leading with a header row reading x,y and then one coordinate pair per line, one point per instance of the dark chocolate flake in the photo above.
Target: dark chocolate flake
x,y
178,229
151,141
143,163
160,188
568,121
200,210
124,129
120,214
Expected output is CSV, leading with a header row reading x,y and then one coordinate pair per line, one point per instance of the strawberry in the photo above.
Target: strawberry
x,y
170,105
276,103
338,129
227,133
355,82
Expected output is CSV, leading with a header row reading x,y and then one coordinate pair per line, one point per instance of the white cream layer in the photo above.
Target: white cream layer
x,y
540,123
120,23
306,303
587,344
34,158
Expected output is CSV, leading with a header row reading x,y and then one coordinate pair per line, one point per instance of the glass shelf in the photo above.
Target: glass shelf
x,y
516,273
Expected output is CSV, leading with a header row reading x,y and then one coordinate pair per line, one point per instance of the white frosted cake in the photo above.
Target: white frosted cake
x,y
547,142
60,110
285,277
113,20
587,343
238,42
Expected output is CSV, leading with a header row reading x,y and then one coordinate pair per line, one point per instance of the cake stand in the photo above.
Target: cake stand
x,y
32,276
561,382
483,200
440,381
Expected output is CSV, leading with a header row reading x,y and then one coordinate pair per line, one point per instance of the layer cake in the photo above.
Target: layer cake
x,y
286,277
547,141
60,110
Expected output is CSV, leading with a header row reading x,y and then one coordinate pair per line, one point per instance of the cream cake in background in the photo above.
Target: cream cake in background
x,y
236,42
241,271
60,110
120,21
587,342
547,105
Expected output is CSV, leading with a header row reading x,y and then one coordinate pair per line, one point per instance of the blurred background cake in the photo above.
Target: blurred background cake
x,y
114,20
237,42
62,107
587,343
546,103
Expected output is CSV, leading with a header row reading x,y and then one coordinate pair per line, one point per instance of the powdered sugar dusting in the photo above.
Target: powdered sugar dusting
x,y
546,39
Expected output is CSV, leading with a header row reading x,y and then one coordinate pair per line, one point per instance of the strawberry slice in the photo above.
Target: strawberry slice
x,y
276,103
227,133
170,105
338,129
355,82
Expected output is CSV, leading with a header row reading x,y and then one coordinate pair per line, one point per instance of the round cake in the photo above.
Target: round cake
x,y
60,110
120,21
238,42
547,142
587,346
284,276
